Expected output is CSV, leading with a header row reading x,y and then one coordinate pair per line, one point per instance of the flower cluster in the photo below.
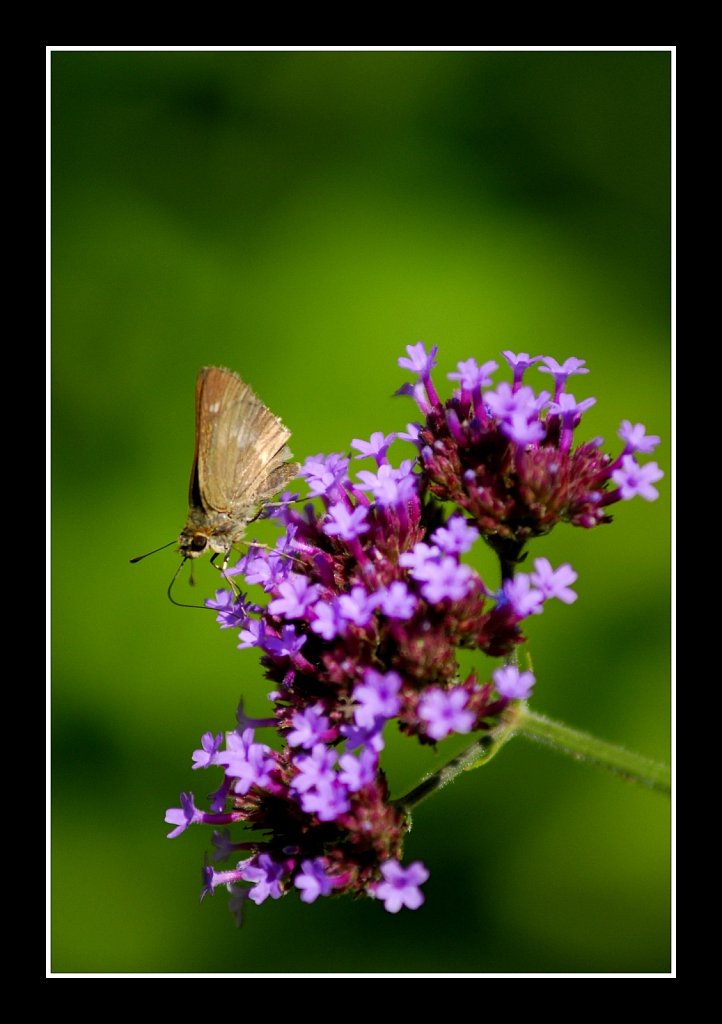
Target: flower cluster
x,y
367,603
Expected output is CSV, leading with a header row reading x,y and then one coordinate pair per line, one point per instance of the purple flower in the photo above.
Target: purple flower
x,y
376,697
357,772
371,737
211,745
522,430
633,479
419,361
183,816
470,375
253,635
313,880
444,712
246,762
396,601
296,595
635,438
377,447
390,486
231,608
446,580
512,683
519,363
568,408
327,622
348,524
505,403
358,606
223,843
314,769
562,372
328,800
554,582
266,874
411,433
286,645
267,569
308,727
212,879
520,595
324,472
457,537
418,558
400,887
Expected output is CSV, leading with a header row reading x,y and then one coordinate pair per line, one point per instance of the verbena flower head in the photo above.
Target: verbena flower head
x,y
368,600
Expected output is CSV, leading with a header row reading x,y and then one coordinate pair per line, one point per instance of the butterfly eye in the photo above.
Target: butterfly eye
x,y
198,542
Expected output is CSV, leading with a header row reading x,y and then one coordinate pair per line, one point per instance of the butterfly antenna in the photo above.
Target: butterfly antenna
x,y
139,558
180,604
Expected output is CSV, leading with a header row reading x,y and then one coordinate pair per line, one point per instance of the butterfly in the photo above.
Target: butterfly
x,y
241,461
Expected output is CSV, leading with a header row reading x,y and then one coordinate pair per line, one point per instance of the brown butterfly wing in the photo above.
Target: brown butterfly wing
x,y
241,447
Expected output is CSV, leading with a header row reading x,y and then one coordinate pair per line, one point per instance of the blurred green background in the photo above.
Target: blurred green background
x,y
301,217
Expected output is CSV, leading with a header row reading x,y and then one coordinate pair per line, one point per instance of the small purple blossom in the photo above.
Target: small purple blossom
x,y
207,755
313,880
324,472
183,816
396,601
296,595
633,479
444,712
446,580
328,801
224,844
410,434
562,372
505,403
288,644
400,887
457,537
346,523
232,609
376,697
371,737
266,875
568,408
253,635
247,762
314,769
268,569
418,558
635,438
419,360
470,375
513,684
357,772
357,607
376,447
522,430
308,727
522,597
554,582
390,486
327,622
519,363
212,879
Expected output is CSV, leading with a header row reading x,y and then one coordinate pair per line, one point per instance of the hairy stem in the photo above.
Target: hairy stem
x,y
517,719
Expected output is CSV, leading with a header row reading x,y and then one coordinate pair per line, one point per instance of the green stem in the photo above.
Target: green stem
x,y
583,747
517,719
481,751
